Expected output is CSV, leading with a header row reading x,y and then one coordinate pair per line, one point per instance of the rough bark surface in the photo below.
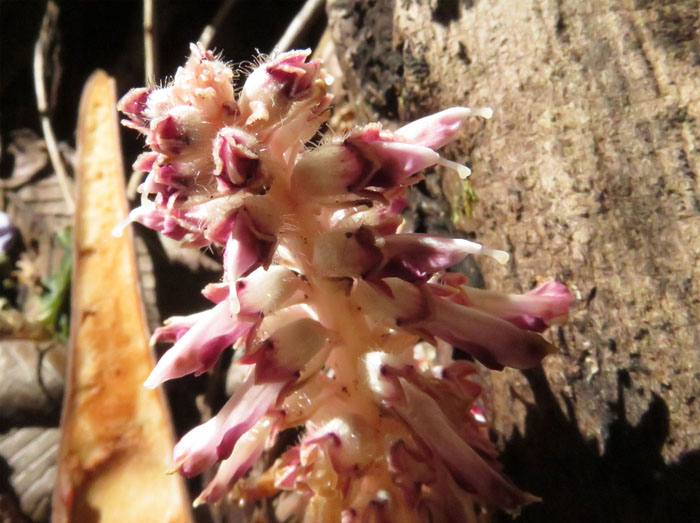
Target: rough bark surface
x,y
588,173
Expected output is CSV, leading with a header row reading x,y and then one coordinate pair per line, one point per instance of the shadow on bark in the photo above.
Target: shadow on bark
x,y
629,482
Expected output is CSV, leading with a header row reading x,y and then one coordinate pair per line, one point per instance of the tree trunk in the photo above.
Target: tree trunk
x,y
588,173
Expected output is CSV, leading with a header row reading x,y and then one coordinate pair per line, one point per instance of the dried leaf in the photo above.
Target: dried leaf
x,y
31,454
30,156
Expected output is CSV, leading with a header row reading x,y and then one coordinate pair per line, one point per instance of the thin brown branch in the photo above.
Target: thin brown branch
x,y
42,44
300,22
149,43
210,30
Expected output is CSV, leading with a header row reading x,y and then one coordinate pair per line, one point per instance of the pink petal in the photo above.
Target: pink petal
x,y
198,348
241,253
416,257
176,327
246,452
157,219
395,162
494,342
167,136
546,305
216,292
145,161
435,130
214,440
253,238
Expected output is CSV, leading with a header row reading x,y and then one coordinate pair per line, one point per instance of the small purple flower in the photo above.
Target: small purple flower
x,y
8,233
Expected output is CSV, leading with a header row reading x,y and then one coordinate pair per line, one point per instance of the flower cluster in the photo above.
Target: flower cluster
x,y
344,325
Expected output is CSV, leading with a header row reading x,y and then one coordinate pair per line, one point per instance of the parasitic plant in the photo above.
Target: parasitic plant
x,y
343,324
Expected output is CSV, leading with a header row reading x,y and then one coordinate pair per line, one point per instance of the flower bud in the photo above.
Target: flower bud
x,y
265,291
235,161
343,254
285,353
133,105
329,170
172,133
207,84
273,86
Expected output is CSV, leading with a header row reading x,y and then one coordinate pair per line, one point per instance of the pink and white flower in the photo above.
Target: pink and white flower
x,y
344,323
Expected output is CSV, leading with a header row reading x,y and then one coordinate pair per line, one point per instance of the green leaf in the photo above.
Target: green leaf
x,y
53,313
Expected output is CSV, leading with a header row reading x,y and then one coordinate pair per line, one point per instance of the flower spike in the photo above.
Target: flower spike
x,y
343,325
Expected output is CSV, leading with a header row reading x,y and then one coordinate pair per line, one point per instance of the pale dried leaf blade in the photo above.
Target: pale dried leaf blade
x,y
30,157
31,452
117,439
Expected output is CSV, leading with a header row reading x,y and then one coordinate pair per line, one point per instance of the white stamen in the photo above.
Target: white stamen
x,y
484,112
479,417
501,257
382,496
118,230
470,247
234,304
462,170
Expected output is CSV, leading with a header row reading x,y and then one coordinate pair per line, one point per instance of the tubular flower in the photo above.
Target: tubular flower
x,y
343,325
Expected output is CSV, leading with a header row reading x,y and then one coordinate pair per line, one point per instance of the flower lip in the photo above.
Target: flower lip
x,y
167,136
394,162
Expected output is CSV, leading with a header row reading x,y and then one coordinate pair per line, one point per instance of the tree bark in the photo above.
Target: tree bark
x,y
588,173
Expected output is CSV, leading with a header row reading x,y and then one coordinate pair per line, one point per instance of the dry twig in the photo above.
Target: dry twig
x,y
298,24
210,30
48,25
149,43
